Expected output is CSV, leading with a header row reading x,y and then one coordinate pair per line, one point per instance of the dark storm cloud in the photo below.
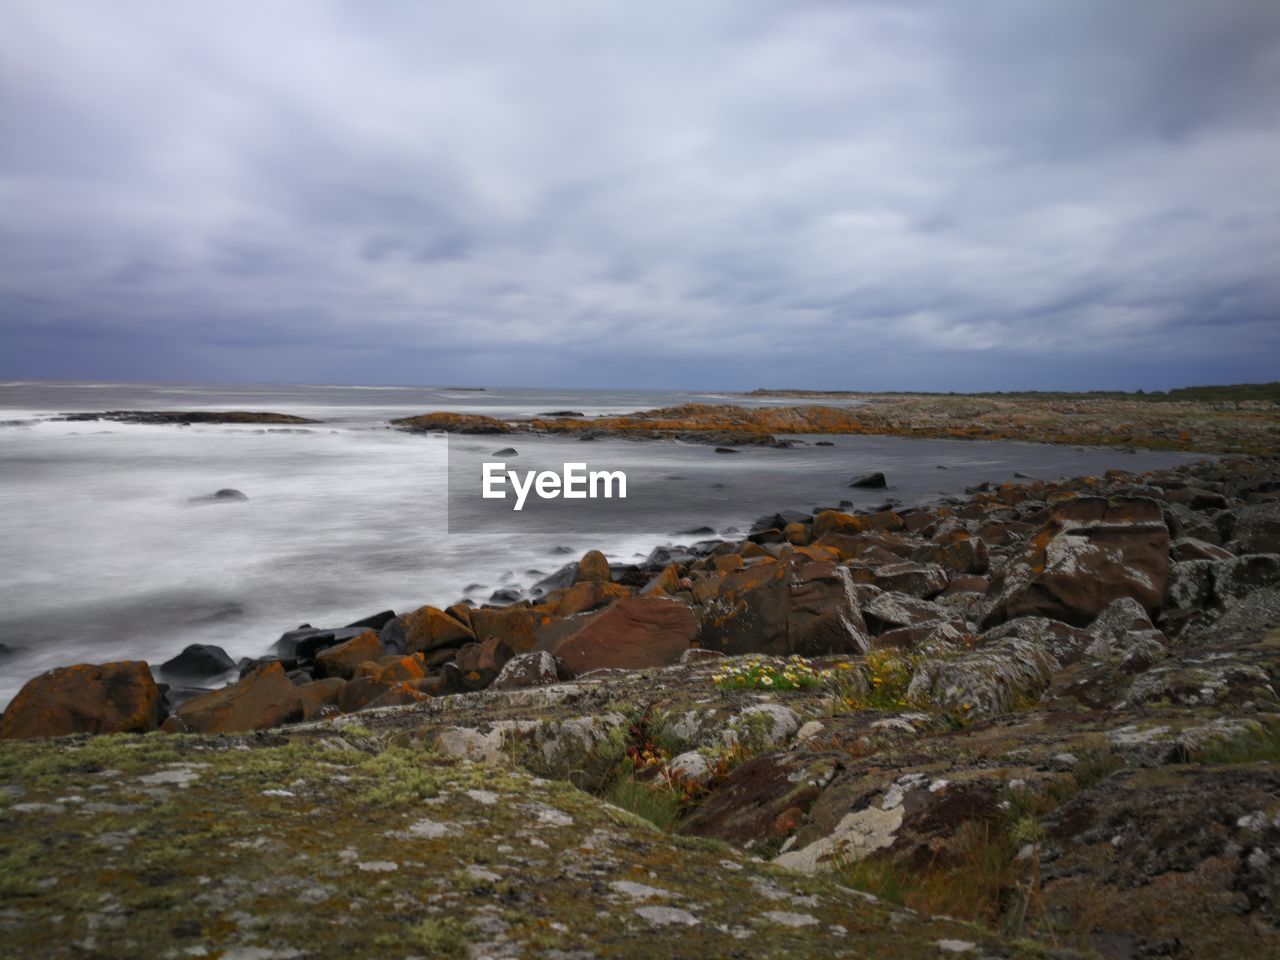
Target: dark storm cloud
x,y
878,194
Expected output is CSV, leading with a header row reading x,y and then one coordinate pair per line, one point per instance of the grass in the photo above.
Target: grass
x,y
980,879
974,884
1259,745
884,678
446,937
658,802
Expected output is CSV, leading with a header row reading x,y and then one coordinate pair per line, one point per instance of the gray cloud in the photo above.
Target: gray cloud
x,y
724,194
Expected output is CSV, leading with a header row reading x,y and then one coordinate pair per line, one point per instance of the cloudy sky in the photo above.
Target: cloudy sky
x,y
993,194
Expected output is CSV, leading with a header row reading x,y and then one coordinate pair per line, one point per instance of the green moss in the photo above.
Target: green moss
x,y
445,937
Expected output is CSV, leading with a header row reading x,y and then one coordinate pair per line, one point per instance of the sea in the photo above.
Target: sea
x,y
111,548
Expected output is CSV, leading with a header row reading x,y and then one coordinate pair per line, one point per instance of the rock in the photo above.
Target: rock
x,y
506,452
872,481
505,595
1257,528
534,669
342,660
888,610
118,697
593,566
198,661
318,695
634,633
481,662
513,625
226,495
1189,548
588,595
914,579
375,622
397,695
988,681
264,698
305,642
1091,552
796,533
424,630
451,423
822,615
763,801
958,552
727,450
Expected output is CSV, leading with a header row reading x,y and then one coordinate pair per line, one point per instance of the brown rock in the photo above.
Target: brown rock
x,y
397,695
264,697
116,697
634,633
797,534
401,669
665,583
593,566
342,660
957,552
513,625
587,596
319,694
428,629
823,616
1091,551
481,662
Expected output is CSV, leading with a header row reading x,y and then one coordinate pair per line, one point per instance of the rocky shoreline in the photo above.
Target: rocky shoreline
x,y
1049,710
1241,426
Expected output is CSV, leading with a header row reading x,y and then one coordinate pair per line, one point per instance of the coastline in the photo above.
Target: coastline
x,y
823,706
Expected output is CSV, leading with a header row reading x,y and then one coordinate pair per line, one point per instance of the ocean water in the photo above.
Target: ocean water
x,y
104,556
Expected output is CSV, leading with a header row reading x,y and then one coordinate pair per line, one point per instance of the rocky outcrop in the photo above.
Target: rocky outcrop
x,y
452,423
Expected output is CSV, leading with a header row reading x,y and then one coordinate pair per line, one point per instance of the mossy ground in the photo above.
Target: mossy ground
x,y
130,846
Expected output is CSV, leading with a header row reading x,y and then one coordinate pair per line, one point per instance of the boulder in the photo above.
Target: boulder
x,y
481,662
318,695
116,697
264,698
513,625
913,579
199,661
342,660
305,642
823,615
634,633
534,669
1257,528
424,630
1090,552
588,595
594,566
871,481
958,552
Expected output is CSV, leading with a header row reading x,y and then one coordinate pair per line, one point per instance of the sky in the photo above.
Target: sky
x,y
725,194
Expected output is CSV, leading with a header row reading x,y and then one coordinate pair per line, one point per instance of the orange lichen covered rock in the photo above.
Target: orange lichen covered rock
x,y
427,629
342,660
265,697
587,596
86,698
451,422
592,567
